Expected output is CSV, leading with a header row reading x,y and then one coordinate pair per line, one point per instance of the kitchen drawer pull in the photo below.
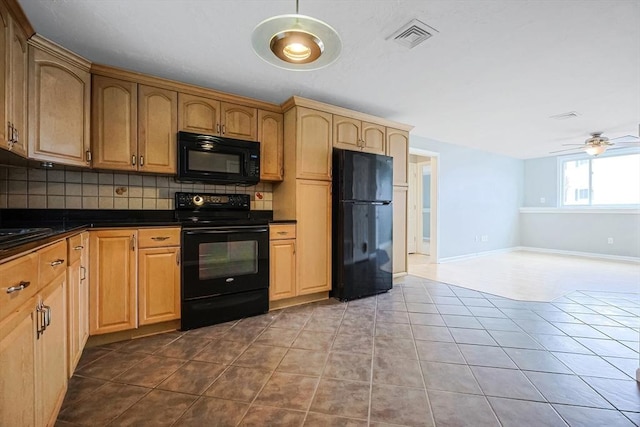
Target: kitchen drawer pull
x,y
160,238
57,262
78,248
283,233
19,287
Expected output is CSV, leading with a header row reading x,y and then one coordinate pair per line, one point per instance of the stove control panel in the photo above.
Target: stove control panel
x,y
209,201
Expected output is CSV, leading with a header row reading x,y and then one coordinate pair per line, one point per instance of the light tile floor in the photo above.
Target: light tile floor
x,y
424,354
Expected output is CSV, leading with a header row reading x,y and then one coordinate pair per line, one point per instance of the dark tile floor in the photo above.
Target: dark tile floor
x,y
423,354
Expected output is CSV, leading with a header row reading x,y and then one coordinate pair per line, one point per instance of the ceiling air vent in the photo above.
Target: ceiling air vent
x,y
412,34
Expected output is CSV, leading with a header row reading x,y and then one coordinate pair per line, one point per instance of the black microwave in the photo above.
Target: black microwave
x,y
217,160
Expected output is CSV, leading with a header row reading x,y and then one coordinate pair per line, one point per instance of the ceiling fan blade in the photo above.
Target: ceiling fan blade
x,y
627,139
572,144
568,149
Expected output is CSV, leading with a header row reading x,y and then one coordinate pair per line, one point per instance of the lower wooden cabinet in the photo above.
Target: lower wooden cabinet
x,y
51,371
158,285
282,259
134,278
77,298
33,364
112,281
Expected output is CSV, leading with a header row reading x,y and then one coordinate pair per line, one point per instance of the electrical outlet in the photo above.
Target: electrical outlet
x,y
610,240
477,239
485,238
543,200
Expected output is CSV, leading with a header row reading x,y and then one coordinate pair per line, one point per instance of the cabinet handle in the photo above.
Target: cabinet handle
x,y
40,321
77,248
282,233
16,135
57,262
160,238
87,156
282,172
84,273
9,134
141,160
217,127
20,286
294,248
133,160
133,242
47,316
224,129
178,257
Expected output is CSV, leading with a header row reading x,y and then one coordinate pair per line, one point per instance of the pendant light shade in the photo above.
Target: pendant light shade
x,y
296,42
595,150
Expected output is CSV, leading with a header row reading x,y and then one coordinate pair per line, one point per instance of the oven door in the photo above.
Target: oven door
x,y
224,260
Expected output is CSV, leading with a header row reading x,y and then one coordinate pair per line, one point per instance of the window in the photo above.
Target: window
x,y
612,179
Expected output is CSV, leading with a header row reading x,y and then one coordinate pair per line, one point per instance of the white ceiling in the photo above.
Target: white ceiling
x,y
490,78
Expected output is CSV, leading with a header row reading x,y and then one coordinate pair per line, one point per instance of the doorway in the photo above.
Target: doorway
x,y
422,218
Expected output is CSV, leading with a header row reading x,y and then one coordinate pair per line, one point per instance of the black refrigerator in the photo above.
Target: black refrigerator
x,y
362,224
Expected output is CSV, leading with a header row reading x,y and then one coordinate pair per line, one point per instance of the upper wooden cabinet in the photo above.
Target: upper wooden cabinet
x,y
271,138
239,121
157,129
13,96
114,123
59,107
398,148
352,134
134,126
311,132
198,114
207,115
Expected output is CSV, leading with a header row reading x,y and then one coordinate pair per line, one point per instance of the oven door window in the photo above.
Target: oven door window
x,y
211,161
227,259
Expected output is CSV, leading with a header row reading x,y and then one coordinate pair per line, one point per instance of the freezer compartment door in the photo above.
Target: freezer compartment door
x,y
363,263
365,176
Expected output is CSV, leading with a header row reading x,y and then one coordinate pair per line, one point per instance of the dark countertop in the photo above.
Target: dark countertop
x,y
283,221
66,222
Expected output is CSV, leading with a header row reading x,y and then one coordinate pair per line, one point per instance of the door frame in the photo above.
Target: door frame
x,y
434,242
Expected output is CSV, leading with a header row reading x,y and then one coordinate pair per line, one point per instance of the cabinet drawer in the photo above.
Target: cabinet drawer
x,y
158,237
20,272
74,248
282,231
53,261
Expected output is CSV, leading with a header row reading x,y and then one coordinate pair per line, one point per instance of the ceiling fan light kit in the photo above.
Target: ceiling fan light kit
x,y
595,150
296,42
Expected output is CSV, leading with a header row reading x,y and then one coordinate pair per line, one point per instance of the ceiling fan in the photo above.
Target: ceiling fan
x,y
597,144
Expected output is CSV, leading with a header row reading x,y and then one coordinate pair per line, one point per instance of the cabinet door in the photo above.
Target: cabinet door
x,y
17,369
51,373
114,124
347,133
313,257
112,281
373,138
59,110
157,129
282,282
400,229
239,122
398,148
198,114
83,303
17,86
4,119
158,285
74,345
270,136
313,144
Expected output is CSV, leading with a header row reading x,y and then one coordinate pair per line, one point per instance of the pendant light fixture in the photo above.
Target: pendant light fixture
x,y
296,42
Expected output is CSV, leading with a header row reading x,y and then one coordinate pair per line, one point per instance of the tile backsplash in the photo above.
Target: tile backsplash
x,y
60,189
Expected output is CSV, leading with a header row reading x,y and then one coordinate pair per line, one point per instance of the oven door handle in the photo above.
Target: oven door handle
x,y
227,231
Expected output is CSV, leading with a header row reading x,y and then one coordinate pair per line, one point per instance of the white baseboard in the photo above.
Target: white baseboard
x,y
477,254
634,260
